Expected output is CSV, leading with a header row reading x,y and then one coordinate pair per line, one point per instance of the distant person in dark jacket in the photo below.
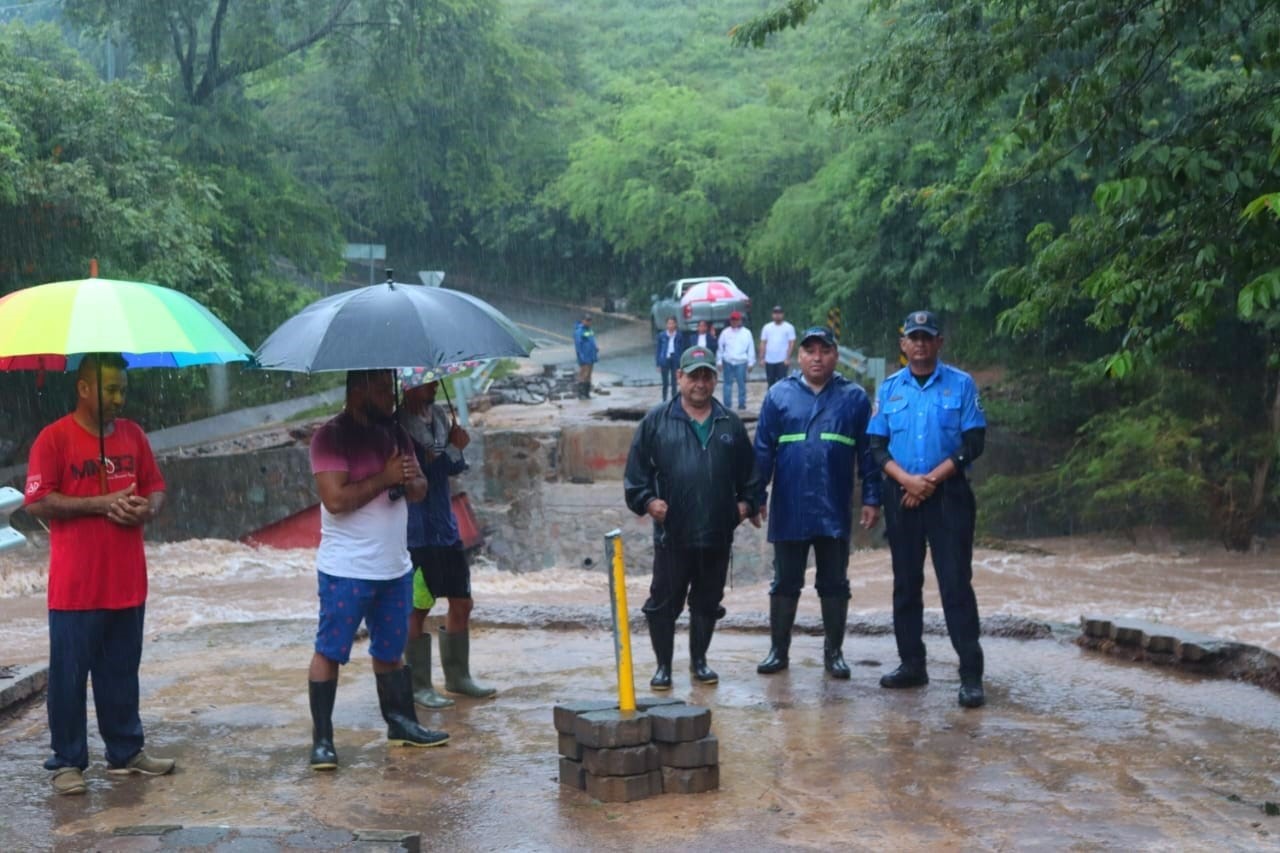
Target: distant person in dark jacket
x,y
669,344
810,440
704,337
691,470
587,352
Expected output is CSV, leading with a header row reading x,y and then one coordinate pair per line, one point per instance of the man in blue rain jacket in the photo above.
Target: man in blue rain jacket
x,y
588,353
810,440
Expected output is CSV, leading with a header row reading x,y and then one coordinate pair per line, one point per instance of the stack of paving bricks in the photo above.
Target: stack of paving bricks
x,y
666,746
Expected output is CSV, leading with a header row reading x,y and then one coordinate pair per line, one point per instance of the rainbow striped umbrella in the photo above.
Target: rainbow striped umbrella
x,y
48,327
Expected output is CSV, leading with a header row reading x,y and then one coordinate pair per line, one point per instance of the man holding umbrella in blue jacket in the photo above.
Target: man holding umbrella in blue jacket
x,y
810,440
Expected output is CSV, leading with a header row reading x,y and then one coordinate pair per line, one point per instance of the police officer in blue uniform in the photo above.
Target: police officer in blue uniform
x,y
926,430
810,440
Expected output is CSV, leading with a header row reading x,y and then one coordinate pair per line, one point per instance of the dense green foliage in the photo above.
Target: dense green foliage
x,y
1168,113
1085,189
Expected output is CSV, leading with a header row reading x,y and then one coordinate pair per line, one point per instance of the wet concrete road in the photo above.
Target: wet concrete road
x,y
1074,751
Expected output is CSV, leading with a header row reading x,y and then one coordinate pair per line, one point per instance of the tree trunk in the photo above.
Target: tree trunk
x,y
1239,534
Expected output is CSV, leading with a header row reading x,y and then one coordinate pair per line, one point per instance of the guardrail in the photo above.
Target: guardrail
x,y
475,382
10,500
870,369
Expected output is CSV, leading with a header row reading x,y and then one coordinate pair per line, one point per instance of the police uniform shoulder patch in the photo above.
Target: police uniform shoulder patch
x,y
977,401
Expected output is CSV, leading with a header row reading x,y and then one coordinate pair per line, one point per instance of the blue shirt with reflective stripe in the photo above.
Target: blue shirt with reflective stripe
x,y
924,424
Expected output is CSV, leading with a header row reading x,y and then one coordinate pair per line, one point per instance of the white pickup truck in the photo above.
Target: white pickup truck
x,y
714,312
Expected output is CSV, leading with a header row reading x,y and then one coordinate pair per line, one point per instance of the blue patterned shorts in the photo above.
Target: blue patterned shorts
x,y
382,605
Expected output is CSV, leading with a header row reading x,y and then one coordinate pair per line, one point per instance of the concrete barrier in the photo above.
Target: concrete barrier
x,y
19,683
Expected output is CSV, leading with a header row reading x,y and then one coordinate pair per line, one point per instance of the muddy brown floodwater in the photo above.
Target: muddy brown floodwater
x,y
1074,750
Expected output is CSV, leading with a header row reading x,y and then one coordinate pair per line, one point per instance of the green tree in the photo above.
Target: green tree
x,y
212,42
83,174
678,177
1169,112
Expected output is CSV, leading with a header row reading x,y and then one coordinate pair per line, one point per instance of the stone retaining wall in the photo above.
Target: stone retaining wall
x,y
1165,645
550,497
228,496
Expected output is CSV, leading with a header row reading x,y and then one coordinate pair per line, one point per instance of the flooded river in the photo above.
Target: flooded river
x,y
1201,588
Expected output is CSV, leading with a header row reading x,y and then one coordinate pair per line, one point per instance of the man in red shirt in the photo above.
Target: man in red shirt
x,y
97,571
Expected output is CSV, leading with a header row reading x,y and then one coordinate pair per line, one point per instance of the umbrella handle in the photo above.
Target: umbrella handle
x,y
453,416
102,439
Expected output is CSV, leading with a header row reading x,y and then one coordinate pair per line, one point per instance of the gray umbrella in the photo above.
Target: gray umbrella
x,y
391,325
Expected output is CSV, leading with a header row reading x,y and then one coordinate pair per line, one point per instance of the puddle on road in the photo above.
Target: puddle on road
x,y
1073,750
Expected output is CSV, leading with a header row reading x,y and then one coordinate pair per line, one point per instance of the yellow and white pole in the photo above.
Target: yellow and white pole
x,y
621,623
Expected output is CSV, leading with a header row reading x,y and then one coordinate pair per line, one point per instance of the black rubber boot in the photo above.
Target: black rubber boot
x,y
395,696
701,627
971,693
972,665
662,633
835,618
323,755
782,616
910,673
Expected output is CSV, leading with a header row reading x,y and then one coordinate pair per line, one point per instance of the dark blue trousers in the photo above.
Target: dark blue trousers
x,y
105,644
945,524
831,559
669,385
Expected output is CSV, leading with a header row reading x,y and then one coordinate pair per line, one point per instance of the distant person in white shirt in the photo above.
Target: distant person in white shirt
x,y
736,352
777,342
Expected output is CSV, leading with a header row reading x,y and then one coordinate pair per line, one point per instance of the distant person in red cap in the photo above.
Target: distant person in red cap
x,y
736,353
